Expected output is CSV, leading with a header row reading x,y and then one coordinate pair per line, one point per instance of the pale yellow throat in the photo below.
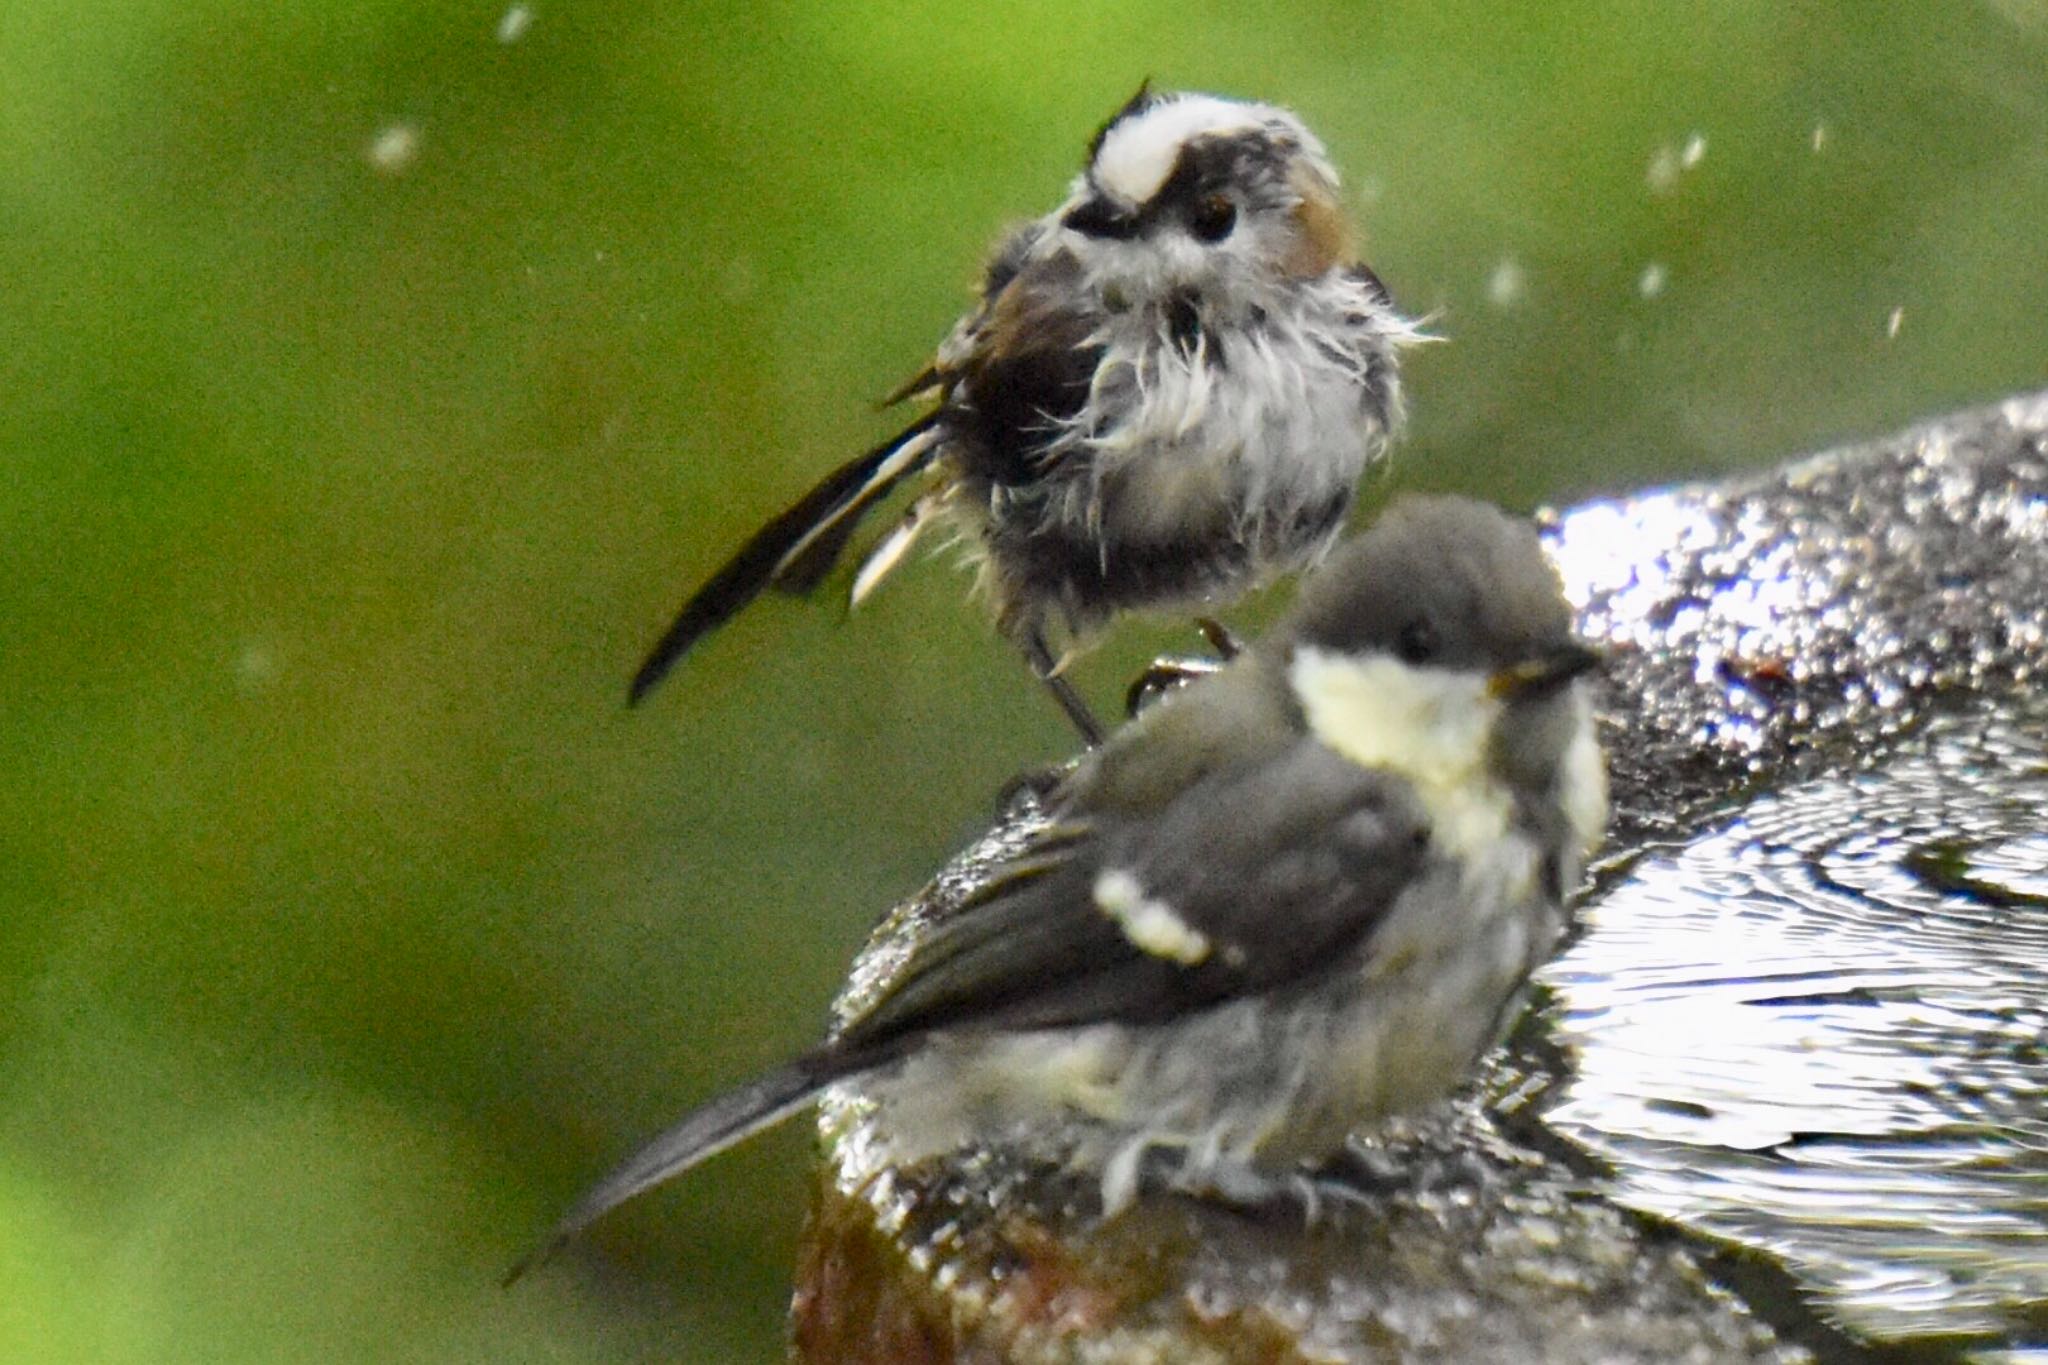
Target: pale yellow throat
x,y
1430,726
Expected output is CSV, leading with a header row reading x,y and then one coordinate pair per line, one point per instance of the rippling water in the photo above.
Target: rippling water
x,y
1819,1030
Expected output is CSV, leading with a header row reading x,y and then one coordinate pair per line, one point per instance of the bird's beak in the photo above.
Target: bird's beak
x,y
1101,217
1546,672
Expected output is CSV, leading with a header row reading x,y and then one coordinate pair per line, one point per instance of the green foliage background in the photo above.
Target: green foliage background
x,y
348,924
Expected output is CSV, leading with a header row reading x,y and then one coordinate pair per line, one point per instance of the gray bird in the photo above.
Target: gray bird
x,y
1167,393
1294,897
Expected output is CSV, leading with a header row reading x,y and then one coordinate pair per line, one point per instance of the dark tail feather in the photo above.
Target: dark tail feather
x,y
702,1133
806,568
814,554
792,552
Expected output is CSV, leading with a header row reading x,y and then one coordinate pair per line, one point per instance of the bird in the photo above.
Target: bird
x,y
1293,897
1166,393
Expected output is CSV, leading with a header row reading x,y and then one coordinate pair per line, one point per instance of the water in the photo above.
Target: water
x,y
1820,1031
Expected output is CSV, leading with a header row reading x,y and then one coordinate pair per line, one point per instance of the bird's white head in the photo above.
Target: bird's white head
x,y
1192,191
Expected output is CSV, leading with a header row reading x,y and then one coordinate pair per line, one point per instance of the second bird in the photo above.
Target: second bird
x,y
1289,901
1168,392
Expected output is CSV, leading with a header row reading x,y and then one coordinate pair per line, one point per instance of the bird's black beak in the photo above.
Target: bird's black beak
x,y
1099,217
1544,673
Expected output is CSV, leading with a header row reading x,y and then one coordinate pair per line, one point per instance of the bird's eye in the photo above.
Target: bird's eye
x,y
1213,218
1417,641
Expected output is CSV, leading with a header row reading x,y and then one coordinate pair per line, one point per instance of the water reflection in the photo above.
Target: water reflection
x,y
1821,1031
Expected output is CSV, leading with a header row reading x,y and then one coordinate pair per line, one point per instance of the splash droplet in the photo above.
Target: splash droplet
x,y
1507,284
512,27
394,149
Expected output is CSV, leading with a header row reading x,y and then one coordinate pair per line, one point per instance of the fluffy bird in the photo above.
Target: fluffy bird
x,y
1167,392
1296,896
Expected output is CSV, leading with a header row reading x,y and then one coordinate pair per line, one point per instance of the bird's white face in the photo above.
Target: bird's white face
x,y
1454,735
1432,726
1440,646
1228,201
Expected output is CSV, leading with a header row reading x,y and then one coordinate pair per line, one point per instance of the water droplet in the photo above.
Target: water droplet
x,y
1668,163
1663,172
394,149
513,26
256,666
1506,285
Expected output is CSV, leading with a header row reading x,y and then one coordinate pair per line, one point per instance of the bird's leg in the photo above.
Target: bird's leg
x,y
1038,783
1065,693
1164,675
1354,1175
1221,638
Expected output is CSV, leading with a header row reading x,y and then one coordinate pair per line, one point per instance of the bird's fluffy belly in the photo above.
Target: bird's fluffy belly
x,y
1263,427
1189,486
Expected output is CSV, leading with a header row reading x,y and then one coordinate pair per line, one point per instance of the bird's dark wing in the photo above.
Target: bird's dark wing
x,y
1021,368
1248,881
1009,259
803,569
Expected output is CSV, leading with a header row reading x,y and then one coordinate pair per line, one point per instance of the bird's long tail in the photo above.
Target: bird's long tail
x,y
701,1134
795,551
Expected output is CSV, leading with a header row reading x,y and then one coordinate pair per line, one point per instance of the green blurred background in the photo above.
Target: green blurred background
x,y
376,377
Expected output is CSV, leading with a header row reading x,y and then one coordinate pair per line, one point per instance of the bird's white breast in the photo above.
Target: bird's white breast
x,y
1261,426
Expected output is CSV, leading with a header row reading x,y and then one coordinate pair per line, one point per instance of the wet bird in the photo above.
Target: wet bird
x,y
1293,897
1167,393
